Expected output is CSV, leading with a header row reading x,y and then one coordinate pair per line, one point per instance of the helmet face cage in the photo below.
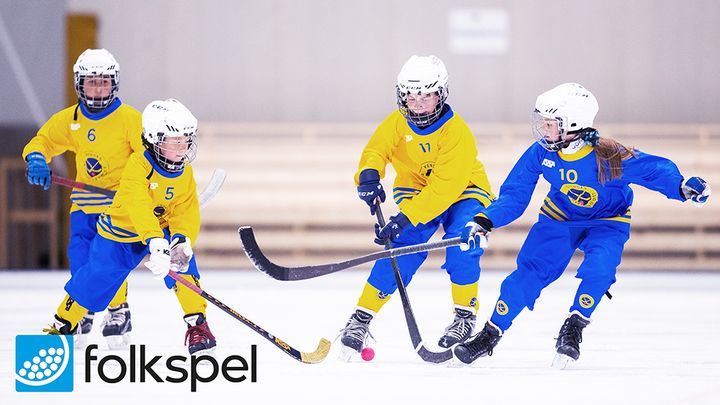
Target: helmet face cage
x,y
96,104
170,134
425,119
551,132
166,145
563,115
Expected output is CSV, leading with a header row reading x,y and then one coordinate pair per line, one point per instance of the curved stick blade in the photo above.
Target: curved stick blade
x,y
319,354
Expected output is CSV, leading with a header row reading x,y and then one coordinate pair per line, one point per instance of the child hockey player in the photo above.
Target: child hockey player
x,y
588,208
155,211
439,182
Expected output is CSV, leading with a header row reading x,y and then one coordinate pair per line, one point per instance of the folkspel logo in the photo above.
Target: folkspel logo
x,y
43,363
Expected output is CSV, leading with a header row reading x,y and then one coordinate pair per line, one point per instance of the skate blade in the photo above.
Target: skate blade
x,y
118,342
562,361
346,354
205,352
80,341
456,363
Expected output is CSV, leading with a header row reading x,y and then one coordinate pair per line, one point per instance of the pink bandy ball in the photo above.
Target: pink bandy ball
x,y
367,354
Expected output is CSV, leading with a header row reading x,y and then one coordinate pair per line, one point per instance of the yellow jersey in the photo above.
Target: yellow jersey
x,y
150,199
436,166
102,142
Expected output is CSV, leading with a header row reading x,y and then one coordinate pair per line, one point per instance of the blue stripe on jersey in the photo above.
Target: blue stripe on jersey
x,y
90,198
111,232
404,194
93,204
106,223
404,189
435,126
102,114
477,191
159,169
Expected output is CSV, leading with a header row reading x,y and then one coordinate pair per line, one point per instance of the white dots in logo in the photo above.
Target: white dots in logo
x,y
43,365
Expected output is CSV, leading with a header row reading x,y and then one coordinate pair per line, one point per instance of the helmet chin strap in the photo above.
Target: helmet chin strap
x,y
573,146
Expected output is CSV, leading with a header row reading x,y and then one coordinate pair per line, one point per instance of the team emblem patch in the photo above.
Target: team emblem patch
x,y
586,301
159,211
501,307
581,196
426,169
93,166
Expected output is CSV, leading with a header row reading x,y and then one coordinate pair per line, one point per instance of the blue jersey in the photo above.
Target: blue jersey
x,y
576,194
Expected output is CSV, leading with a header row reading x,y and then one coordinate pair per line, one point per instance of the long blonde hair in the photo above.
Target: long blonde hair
x,y
610,154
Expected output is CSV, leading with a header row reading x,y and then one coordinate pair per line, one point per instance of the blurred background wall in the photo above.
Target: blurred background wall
x,y
286,69
326,60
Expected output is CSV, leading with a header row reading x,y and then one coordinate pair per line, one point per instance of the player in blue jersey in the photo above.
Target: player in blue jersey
x,y
588,208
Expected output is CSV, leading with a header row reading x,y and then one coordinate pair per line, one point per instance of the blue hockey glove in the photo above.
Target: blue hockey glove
x,y
475,234
38,171
696,189
370,188
392,230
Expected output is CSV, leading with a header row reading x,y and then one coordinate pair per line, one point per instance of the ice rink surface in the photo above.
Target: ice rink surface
x,y
656,342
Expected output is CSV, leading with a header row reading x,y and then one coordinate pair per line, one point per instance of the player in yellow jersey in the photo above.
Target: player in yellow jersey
x,y
103,133
439,183
155,211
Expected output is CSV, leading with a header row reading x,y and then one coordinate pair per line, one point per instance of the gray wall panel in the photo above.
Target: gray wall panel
x,y
323,60
36,30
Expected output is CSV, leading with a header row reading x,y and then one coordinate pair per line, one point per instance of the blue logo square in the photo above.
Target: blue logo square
x,y
43,363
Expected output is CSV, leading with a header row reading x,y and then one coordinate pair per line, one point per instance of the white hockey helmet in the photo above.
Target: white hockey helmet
x,y
571,108
96,62
167,124
422,75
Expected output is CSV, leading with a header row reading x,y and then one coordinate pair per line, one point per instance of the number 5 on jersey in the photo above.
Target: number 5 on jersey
x,y
169,193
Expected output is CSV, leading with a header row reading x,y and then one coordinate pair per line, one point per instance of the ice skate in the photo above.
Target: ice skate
x,y
198,337
117,327
569,339
461,327
60,326
83,330
354,336
480,345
